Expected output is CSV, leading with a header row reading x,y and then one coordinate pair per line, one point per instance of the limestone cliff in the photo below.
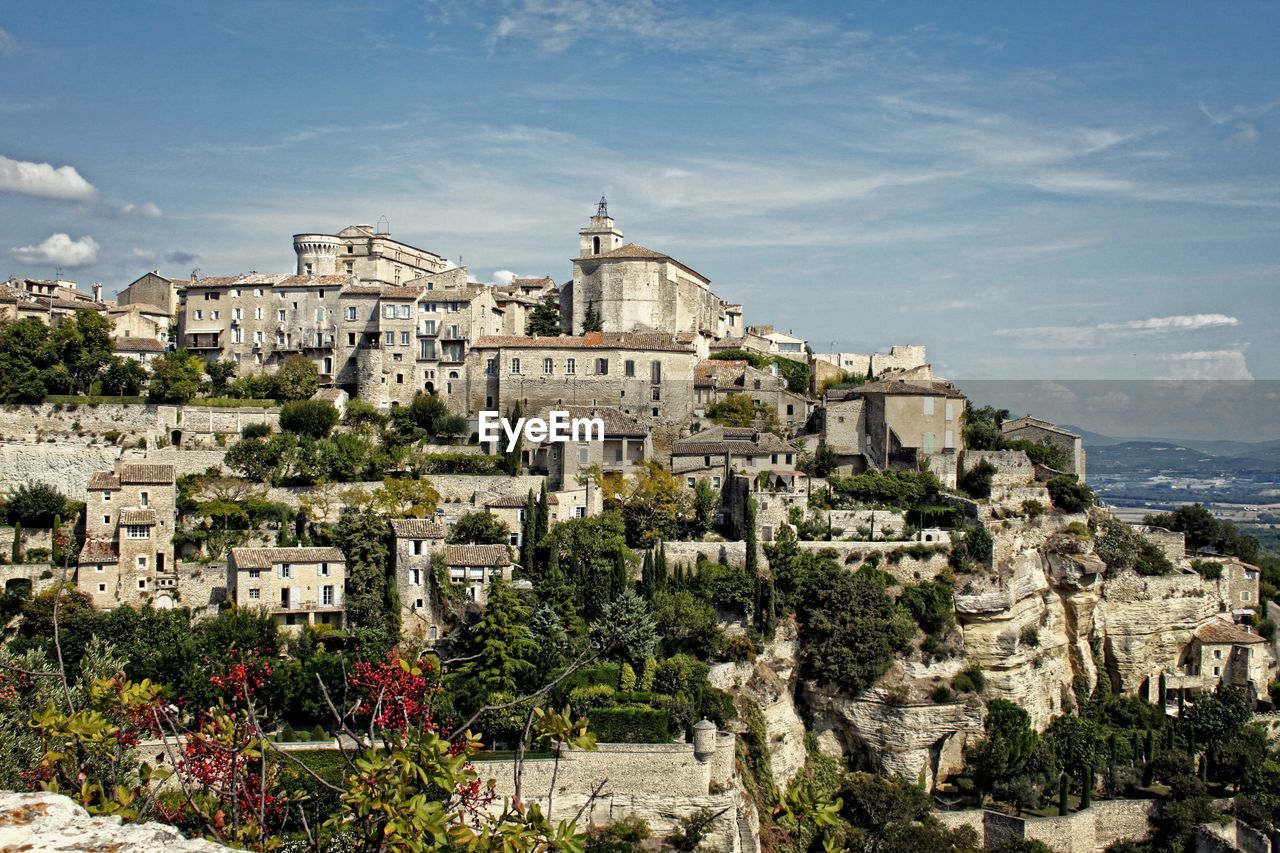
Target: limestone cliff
x,y
53,822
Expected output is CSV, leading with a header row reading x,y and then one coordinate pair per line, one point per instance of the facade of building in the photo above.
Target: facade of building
x,y
152,289
417,542
127,557
716,453
626,448
297,586
474,567
366,254
717,378
907,423
50,302
634,289
1221,652
1040,431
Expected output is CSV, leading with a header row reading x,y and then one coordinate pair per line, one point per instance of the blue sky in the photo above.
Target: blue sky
x,y
1031,190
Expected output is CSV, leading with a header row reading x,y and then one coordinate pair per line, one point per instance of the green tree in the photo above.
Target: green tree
x,y
296,379
28,358
123,377
591,319
705,503
479,528
1002,755
976,481
850,630
544,319
1070,495
362,537
220,372
175,377
1080,745
37,505
500,643
315,418
739,410
84,347
586,548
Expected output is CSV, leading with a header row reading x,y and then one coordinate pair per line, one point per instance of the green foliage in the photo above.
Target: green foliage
x,y
363,538
479,528
1204,531
220,373
591,319
969,680
931,605
123,377
1079,744
739,410
972,549
631,724
175,377
1070,495
976,481
314,418
30,365
1032,508
1208,569
850,631
904,489
37,504
586,548
255,430
544,319
297,378
460,463
1006,749
1121,547
500,644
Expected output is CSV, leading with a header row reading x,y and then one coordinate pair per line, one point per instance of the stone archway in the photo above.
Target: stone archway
x,y
175,437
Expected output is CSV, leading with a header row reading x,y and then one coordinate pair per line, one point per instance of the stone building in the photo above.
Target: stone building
x,y
1040,431
635,289
767,340
717,378
719,452
474,567
626,448
648,374
417,542
898,359
1221,652
50,302
908,424
141,350
297,586
127,557
152,289
140,320
366,254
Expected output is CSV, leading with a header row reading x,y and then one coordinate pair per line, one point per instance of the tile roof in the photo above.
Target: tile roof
x,y
146,473
265,558
1018,423
591,340
330,395
138,516
616,421
909,389
477,555
418,528
1219,632
760,445
99,551
268,280
139,345
509,501
104,480
386,291
636,252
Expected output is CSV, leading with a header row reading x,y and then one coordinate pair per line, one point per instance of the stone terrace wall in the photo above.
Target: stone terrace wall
x,y
1013,467
1089,831
905,568
66,467
686,553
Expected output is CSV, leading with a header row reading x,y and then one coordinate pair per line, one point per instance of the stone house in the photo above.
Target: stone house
x,y
142,350
151,289
517,300
476,566
50,302
717,378
297,586
769,341
908,424
635,289
416,542
512,511
139,320
714,454
649,374
844,431
1040,431
127,557
367,254
1221,652
626,448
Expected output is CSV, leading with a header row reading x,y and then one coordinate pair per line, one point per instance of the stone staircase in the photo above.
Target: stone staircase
x,y
746,838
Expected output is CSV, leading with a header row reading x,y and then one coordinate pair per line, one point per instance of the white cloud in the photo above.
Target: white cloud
x,y
8,44
60,250
147,210
1208,364
142,255
1178,323
44,180
505,276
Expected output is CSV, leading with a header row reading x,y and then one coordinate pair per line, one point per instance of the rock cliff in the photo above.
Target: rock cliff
x,y
54,822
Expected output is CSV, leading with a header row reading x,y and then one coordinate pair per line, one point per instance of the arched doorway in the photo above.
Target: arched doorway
x,y
175,437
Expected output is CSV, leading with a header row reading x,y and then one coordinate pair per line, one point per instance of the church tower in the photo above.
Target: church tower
x,y
600,236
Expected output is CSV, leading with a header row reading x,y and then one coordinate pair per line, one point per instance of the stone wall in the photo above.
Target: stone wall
x,y
879,523
64,466
202,587
894,558
686,553
1013,467
1088,831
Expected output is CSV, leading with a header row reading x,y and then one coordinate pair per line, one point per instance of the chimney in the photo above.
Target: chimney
x,y
97,291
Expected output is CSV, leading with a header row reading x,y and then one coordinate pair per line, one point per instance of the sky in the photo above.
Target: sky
x,y
1032,191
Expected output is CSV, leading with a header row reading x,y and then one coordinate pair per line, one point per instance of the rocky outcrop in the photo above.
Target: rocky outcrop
x,y
54,822
770,682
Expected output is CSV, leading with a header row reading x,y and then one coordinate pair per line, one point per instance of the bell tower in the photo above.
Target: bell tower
x,y
600,236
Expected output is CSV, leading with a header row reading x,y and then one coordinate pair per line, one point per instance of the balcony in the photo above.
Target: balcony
x,y
310,606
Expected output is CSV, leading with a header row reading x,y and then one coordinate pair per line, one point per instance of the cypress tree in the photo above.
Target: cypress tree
x,y
53,540
646,575
544,512
1063,789
621,577
753,567
17,542
660,568
527,535
1151,745
1086,795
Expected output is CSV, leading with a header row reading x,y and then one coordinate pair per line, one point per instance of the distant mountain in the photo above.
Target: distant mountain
x,y
1261,450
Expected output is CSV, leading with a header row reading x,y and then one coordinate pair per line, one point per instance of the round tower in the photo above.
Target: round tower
x,y
704,740
317,253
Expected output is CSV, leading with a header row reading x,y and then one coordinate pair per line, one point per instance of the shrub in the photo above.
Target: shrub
x,y
1032,508
1030,636
976,481
1070,495
630,724
255,430
941,694
1208,569
584,700
36,505
38,555
286,734
969,680
308,417
930,604
319,734
302,737
1077,528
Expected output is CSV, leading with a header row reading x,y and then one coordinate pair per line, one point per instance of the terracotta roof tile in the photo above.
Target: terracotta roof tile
x,y
1219,632
910,389
477,555
139,345
99,551
265,558
138,516
146,473
418,528
104,480
636,252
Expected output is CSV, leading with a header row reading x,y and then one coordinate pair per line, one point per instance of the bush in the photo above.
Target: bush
x,y
308,417
36,505
1208,569
976,481
319,734
1032,508
969,680
297,378
1070,495
302,737
37,555
630,724
255,430
941,694
1077,528
1030,636
585,700
286,734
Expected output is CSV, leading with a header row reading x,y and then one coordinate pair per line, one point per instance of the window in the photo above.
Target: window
x,y
102,587
142,562
350,249
388,312
142,583
257,313
280,315
491,367
1217,654
417,605
515,365
237,336
351,312
237,313
602,366
928,405
629,368
235,293
323,571
106,519
257,291
257,337
404,312
417,547
415,577
255,594
351,339
145,498
655,394
1217,670
951,412
571,366
254,574
655,372
106,496
584,455
791,409
513,539
326,595
286,571
1244,596
404,339
391,338
199,314
213,315
426,348
399,378
548,366
706,461
579,512
137,531
692,481
322,297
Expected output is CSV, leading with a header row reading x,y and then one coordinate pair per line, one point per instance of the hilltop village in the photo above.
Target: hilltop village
x,y
854,610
